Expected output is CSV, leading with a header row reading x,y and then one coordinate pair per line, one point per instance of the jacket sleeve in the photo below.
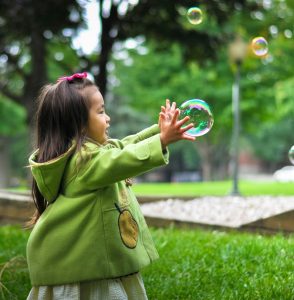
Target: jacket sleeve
x,y
135,138
107,165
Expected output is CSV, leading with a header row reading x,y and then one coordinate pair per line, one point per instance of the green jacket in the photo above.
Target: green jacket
x,y
93,227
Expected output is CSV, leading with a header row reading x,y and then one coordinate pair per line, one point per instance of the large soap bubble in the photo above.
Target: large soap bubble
x,y
200,115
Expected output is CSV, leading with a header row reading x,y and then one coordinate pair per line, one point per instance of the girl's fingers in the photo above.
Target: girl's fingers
x,y
183,121
162,116
184,129
189,137
175,116
173,107
163,109
167,104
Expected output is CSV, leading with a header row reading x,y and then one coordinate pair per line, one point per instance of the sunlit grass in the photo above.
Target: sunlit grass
x,y
218,265
193,264
214,188
208,188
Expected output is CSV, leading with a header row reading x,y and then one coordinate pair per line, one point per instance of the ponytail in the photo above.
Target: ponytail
x,y
62,116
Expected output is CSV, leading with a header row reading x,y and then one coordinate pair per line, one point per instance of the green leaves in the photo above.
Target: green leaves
x,y
13,118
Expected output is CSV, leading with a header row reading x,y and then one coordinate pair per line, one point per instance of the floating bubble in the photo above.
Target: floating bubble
x,y
259,46
194,15
291,155
200,115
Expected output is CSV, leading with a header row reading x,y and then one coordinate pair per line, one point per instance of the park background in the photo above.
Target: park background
x,y
145,52
142,52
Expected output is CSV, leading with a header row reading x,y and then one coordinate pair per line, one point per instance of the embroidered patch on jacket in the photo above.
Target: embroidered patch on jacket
x,y
124,201
128,228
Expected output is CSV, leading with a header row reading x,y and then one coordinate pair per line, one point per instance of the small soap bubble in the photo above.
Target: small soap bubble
x,y
194,15
200,115
259,46
291,155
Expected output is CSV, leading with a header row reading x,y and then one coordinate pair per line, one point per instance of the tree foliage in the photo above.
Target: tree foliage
x,y
27,27
151,78
182,61
266,104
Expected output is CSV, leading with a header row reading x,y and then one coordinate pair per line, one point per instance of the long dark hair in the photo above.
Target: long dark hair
x,y
62,116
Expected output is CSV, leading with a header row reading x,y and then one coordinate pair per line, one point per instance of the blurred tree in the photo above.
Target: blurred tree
x,y
161,75
12,118
267,104
146,76
35,44
26,27
12,126
163,21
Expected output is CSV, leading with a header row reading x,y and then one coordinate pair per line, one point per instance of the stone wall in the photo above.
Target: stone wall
x,y
17,208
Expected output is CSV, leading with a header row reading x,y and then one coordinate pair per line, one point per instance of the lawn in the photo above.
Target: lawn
x,y
214,188
194,264
209,188
14,281
218,265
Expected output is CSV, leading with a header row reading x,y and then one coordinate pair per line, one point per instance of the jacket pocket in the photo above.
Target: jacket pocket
x,y
123,242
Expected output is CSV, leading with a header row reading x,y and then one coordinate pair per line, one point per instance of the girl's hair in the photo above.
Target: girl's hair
x,y
62,117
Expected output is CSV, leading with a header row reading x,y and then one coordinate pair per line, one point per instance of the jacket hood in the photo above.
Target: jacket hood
x,y
48,175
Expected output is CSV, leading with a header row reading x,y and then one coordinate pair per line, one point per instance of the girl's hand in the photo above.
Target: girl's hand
x,y
171,129
168,110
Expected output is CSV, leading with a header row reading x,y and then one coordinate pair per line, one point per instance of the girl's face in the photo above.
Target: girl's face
x,y
98,122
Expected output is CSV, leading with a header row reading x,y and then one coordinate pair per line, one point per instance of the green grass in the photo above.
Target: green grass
x,y
214,188
211,188
194,264
218,265
14,277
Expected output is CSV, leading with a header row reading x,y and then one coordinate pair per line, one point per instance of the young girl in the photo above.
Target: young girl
x,y
90,239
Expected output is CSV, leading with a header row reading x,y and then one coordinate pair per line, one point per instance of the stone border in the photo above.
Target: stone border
x,y
17,208
271,225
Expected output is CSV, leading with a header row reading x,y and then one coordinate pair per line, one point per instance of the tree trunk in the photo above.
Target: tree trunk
x,y
108,23
37,77
4,162
206,156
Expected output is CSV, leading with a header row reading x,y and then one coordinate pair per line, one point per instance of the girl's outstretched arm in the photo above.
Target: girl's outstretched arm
x,y
135,138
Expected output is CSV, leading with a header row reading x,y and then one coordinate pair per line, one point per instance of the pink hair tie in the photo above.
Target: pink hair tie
x,y
72,77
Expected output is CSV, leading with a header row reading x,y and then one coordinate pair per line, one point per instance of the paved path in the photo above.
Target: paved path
x,y
227,211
